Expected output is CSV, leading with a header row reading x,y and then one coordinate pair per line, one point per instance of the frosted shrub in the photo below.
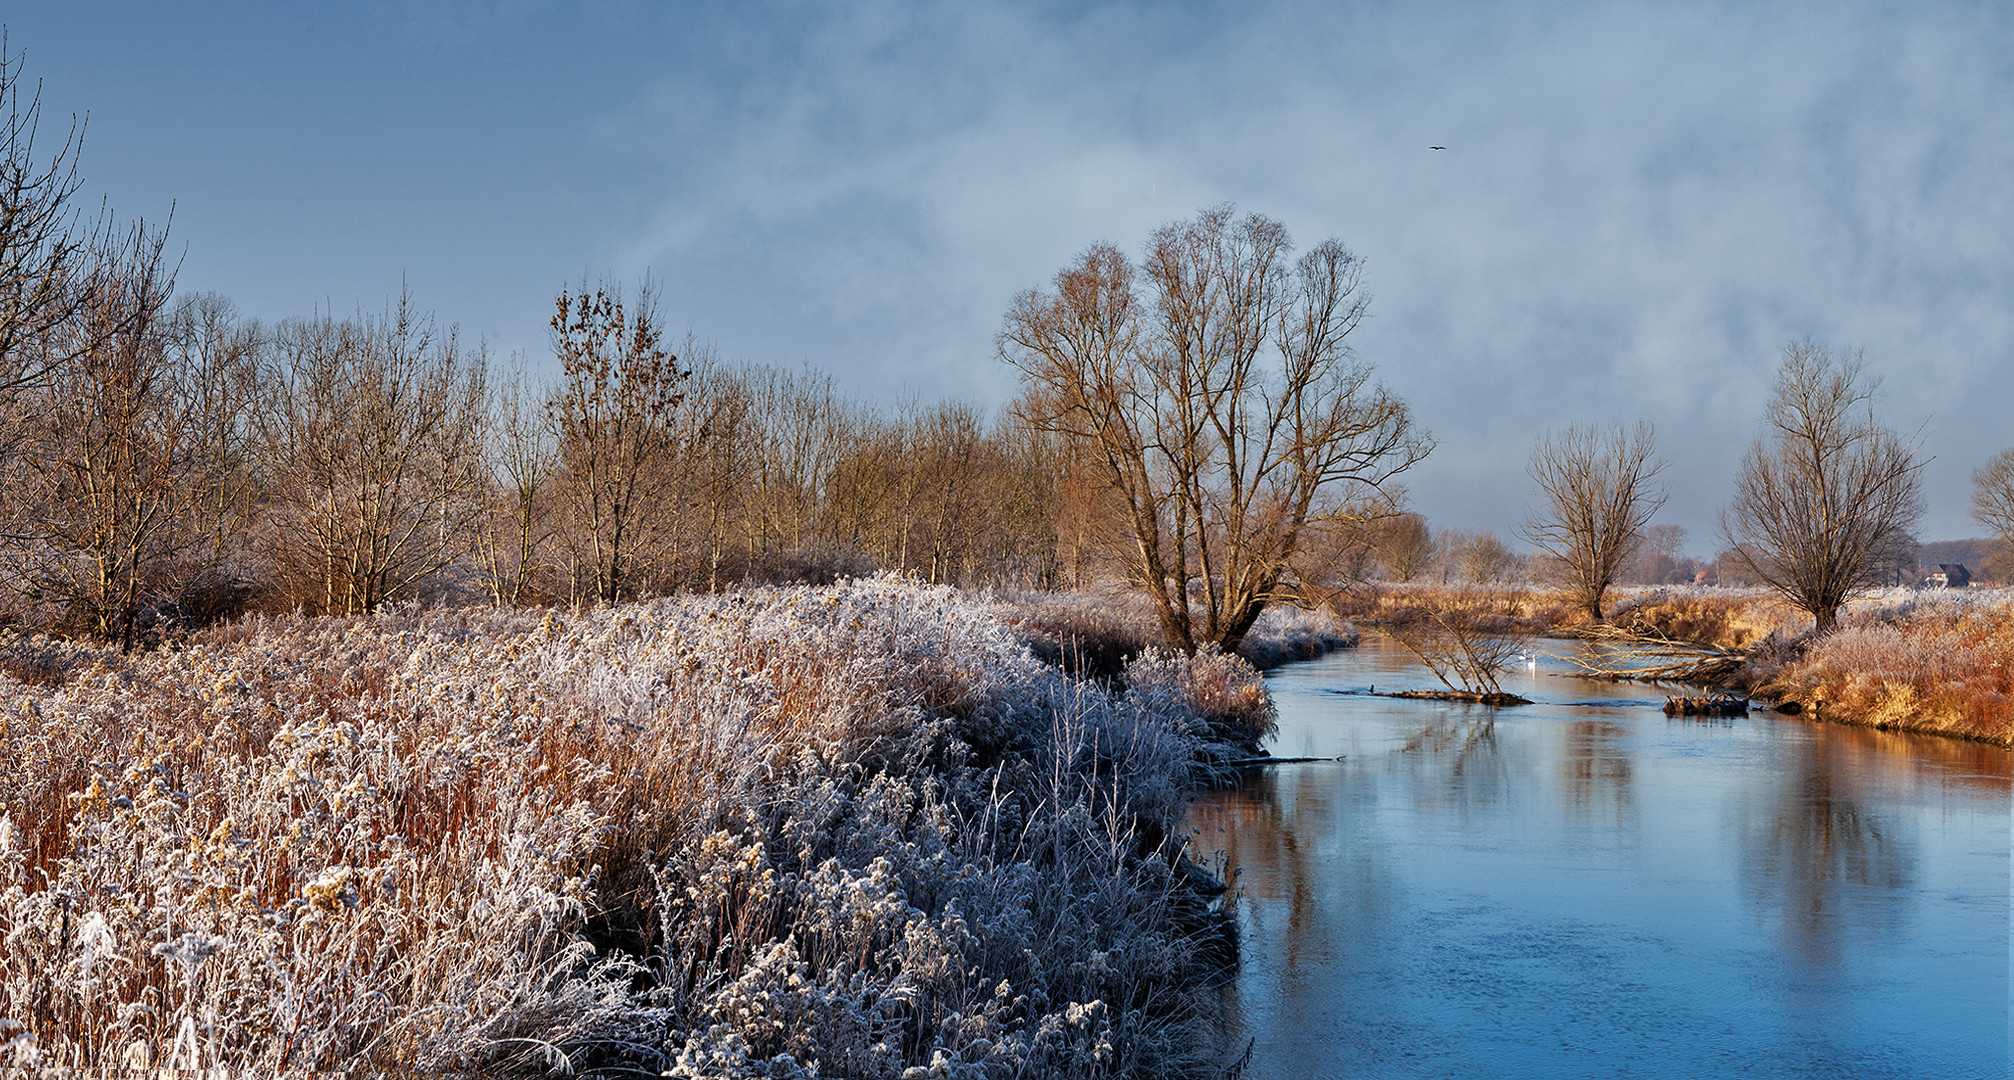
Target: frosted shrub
x,y
853,830
1098,633
1918,659
1225,692
1285,633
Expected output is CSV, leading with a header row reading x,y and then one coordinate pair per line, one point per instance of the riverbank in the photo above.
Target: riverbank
x,y
1931,660
854,830
1938,662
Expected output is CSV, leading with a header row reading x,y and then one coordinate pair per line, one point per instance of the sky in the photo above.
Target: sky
x,y
1639,206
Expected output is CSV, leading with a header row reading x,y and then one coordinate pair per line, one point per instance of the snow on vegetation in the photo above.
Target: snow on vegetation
x,y
845,831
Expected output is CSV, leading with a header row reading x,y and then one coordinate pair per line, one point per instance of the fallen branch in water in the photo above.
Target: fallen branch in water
x,y
1469,697
1249,762
1650,656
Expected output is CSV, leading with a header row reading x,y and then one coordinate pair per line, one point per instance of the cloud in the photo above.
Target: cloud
x,y
1638,208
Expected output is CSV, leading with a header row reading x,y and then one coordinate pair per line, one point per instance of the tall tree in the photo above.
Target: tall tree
x,y
1596,500
612,417
223,362
1993,507
48,269
511,539
1224,408
1825,503
373,450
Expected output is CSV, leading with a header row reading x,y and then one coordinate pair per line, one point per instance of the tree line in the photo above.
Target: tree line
x,y
193,463
1194,425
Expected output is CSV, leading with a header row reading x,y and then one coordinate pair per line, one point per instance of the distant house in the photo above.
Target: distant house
x,y
1949,576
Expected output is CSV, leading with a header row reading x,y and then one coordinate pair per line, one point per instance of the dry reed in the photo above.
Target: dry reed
x,y
854,830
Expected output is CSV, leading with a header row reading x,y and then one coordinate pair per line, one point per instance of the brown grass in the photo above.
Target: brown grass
x,y
1940,665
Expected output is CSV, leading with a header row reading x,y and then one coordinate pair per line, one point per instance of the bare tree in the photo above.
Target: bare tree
x,y
1404,544
374,453
47,266
1658,558
1993,495
109,455
511,541
1226,412
1480,558
612,416
1824,506
1597,494
224,366
712,433
1468,641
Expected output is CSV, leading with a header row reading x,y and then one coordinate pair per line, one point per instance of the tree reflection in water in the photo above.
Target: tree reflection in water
x,y
1826,864
1595,770
1460,742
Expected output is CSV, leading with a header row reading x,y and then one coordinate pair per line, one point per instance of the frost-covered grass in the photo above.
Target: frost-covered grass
x,y
1730,617
1919,660
1709,614
1530,610
855,829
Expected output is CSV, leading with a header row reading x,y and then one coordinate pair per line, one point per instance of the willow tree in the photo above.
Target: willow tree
x,y
1598,498
1824,505
1213,389
1993,495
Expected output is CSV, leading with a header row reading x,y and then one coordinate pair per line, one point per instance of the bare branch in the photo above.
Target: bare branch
x,y
1598,500
1824,507
1226,415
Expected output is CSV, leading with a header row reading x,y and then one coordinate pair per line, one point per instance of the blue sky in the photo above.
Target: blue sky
x,y
1639,206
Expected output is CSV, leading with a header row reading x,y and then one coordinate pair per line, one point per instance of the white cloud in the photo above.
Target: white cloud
x,y
1638,209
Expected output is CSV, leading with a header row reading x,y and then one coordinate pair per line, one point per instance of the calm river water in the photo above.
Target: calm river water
x,y
1587,888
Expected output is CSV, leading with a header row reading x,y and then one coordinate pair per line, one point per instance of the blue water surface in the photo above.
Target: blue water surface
x,y
1584,887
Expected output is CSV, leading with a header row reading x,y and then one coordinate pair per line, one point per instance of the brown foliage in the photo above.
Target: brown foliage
x,y
1944,666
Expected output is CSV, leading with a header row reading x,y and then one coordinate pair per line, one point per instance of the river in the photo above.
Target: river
x,y
1583,887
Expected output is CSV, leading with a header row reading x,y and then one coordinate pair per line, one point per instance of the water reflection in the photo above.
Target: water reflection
x,y
1816,856
1595,770
1457,754
1588,888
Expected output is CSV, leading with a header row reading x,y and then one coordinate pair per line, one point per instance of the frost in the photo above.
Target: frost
x,y
855,830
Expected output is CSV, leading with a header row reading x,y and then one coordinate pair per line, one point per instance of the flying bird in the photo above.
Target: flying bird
x,y
1437,148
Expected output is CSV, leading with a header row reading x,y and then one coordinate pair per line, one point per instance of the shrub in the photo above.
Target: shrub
x,y
1922,661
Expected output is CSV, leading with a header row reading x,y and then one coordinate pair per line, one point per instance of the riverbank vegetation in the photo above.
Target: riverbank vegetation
x,y
855,829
